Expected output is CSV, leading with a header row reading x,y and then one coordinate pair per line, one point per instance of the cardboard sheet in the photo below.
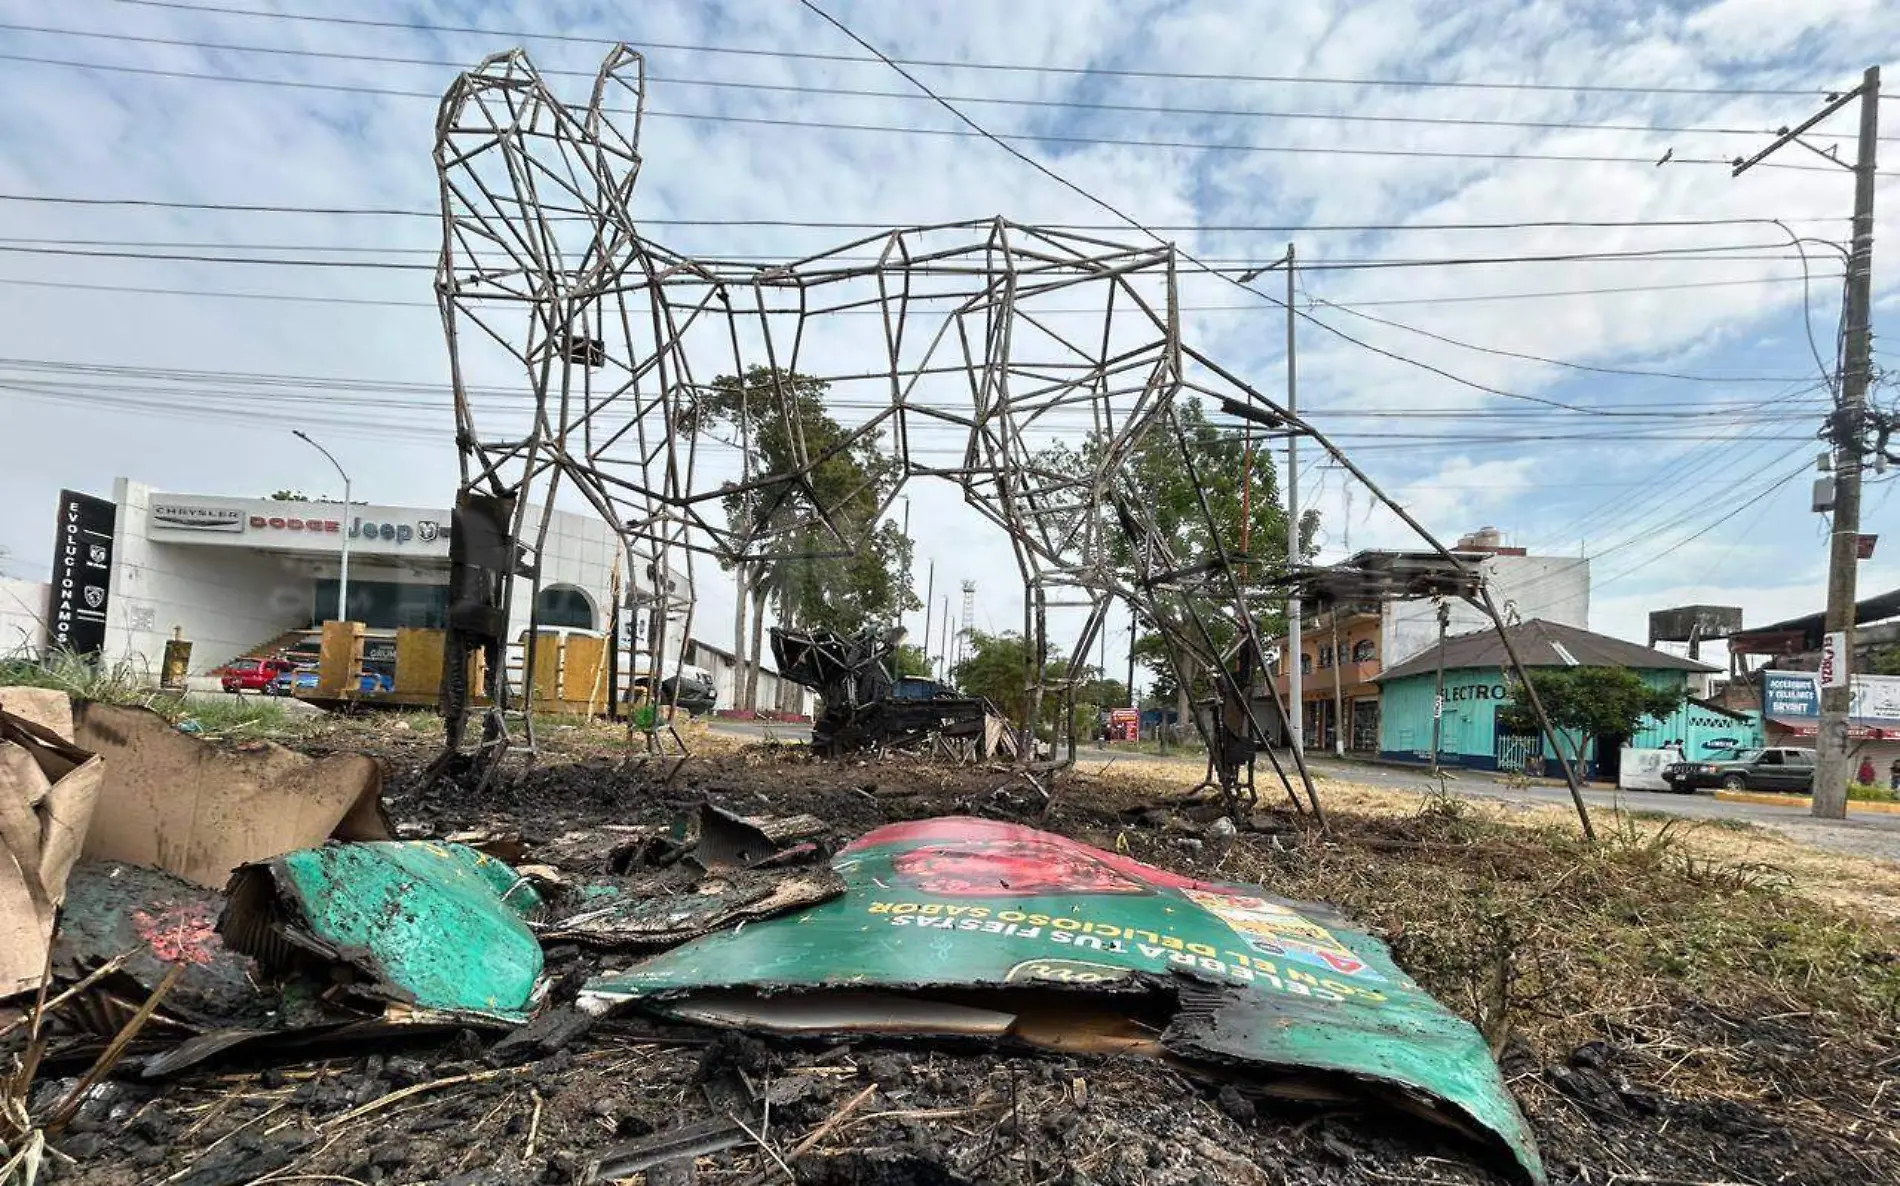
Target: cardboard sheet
x,y
200,810
962,927
48,791
43,706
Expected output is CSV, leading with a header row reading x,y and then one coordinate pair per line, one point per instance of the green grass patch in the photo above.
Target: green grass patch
x,y
130,685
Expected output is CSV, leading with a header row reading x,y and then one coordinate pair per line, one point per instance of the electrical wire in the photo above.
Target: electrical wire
x,y
435,216
269,413
1239,282
899,129
859,93
328,385
1355,311
1618,290
1727,515
1238,265
808,55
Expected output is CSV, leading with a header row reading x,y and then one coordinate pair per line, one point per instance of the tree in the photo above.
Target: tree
x,y
289,496
1224,466
814,580
1886,662
911,660
1588,702
994,669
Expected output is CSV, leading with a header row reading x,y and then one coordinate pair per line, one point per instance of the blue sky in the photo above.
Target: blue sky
x,y
1661,502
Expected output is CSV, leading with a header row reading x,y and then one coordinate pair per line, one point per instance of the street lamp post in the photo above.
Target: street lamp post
x,y
343,576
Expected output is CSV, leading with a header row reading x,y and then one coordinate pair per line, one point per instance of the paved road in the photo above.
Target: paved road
x,y
1861,835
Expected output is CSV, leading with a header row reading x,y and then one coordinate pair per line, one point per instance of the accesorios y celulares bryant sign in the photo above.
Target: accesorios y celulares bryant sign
x,y
82,572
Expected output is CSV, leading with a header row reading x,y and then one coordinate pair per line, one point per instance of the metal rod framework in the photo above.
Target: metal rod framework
x,y
617,343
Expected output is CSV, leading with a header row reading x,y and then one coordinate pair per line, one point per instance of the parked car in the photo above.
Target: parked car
x,y
1771,769
250,675
302,681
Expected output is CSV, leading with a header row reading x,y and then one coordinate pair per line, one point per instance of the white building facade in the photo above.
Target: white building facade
x,y
235,574
1554,588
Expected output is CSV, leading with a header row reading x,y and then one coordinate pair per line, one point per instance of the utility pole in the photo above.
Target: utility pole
x,y
1831,771
1438,704
1133,702
738,634
1339,688
343,539
1294,683
930,590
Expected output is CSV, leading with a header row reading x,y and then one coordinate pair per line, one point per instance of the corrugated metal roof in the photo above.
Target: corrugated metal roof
x,y
1542,644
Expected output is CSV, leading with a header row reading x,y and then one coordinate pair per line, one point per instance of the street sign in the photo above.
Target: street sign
x,y
1834,660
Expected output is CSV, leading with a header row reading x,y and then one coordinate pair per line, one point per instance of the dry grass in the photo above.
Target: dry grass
x,y
1680,943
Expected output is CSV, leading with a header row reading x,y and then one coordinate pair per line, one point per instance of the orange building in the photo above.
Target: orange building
x,y
1339,660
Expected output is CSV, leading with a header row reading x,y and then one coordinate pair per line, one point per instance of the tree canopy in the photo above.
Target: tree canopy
x,y
910,660
1590,701
1224,466
815,580
996,667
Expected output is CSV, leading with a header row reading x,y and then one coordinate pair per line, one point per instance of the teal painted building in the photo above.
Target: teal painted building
x,y
1477,686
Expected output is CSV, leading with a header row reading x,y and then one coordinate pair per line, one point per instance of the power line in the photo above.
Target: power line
x,y
807,55
1731,513
268,408
1558,362
1236,264
331,383
899,129
305,298
435,215
1238,282
995,100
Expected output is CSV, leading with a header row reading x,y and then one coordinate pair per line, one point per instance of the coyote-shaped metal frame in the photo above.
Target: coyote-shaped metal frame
x,y
1022,363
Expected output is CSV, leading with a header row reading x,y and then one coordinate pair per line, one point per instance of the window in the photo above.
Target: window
x,y
1306,662
1799,757
1771,757
1363,651
1325,657
564,606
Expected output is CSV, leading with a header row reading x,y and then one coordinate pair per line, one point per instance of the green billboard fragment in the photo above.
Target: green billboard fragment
x,y
441,927
970,927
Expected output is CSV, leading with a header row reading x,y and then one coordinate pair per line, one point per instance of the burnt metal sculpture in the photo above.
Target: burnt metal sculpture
x,y
969,351
860,707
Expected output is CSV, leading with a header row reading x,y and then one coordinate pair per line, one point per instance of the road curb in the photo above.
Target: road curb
x,y
1853,805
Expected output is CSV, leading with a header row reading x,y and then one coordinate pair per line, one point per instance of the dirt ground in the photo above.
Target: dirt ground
x,y
1672,1006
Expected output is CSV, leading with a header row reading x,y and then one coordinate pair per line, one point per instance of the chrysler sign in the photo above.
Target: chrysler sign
x,y
187,517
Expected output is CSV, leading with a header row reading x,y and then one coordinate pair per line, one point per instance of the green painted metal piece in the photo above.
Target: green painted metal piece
x,y
963,904
441,924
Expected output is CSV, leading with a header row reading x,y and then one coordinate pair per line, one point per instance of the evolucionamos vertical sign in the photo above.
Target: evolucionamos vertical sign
x,y
82,572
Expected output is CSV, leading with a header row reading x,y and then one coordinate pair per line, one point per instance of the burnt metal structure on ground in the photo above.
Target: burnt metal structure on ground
x,y
971,352
858,707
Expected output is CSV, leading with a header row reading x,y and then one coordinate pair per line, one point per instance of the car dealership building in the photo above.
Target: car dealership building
x,y
234,575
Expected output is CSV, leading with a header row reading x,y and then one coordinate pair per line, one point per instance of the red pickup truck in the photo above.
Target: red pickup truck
x,y
251,675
